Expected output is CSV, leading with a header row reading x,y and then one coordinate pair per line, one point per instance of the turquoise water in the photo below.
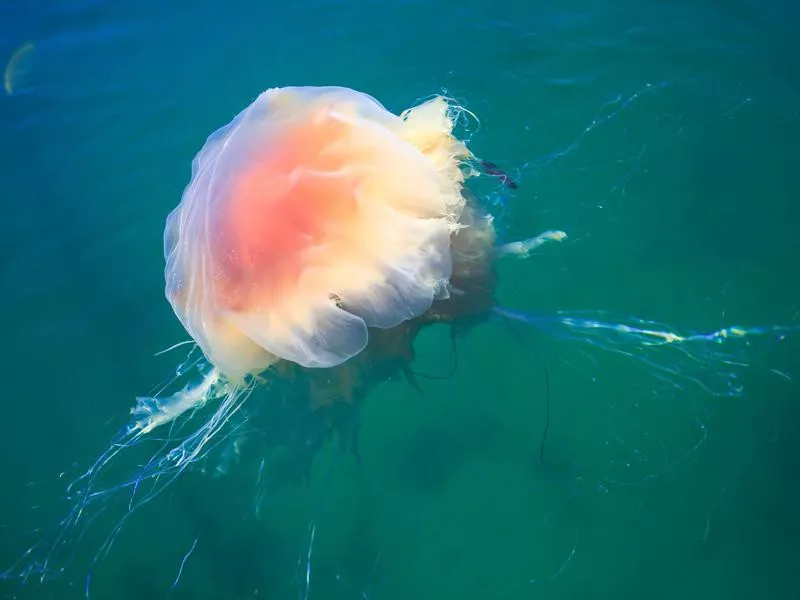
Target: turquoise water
x,y
662,137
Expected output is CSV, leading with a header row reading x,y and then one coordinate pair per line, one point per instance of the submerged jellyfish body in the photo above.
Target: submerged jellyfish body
x,y
313,217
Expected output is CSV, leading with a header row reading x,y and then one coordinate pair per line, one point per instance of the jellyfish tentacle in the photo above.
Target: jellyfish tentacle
x,y
523,248
151,411
708,360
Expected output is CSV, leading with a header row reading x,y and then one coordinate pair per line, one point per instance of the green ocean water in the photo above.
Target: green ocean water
x,y
661,136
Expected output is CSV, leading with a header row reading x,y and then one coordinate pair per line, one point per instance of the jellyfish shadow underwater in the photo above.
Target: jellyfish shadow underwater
x,y
319,235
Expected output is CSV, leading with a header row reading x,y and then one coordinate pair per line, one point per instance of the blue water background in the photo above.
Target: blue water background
x,y
663,137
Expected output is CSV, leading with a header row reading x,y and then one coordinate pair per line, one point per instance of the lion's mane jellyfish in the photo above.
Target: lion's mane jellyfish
x,y
320,233
313,218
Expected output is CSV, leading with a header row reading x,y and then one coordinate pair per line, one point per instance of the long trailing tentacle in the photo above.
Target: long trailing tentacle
x,y
676,358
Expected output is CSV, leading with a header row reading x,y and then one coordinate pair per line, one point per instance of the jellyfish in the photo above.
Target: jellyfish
x,y
319,234
314,217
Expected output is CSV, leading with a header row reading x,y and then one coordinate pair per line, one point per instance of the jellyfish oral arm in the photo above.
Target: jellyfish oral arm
x,y
523,248
151,412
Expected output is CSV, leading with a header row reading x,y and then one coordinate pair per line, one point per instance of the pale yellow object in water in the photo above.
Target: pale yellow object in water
x,y
523,249
13,63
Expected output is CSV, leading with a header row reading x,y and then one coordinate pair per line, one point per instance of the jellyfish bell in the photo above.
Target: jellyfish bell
x,y
313,216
